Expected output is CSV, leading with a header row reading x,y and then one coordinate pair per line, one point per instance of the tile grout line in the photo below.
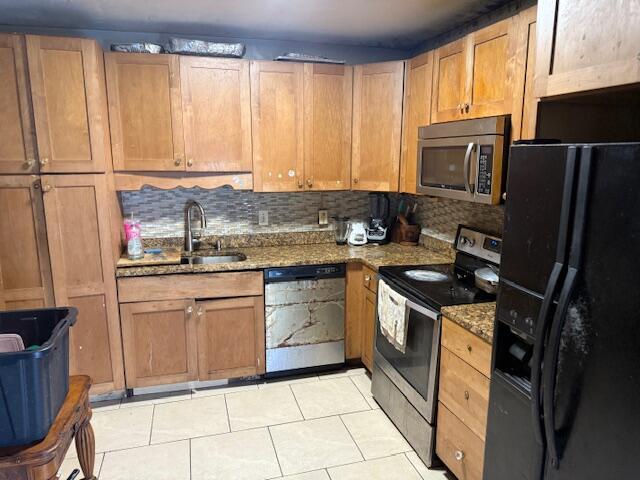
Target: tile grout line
x,y
275,451
351,437
190,467
153,416
226,409
295,399
412,465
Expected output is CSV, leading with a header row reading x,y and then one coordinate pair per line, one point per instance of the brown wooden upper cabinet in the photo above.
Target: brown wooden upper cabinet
x,y
525,104
145,112
473,76
216,104
67,91
18,151
328,91
25,274
586,45
79,240
377,125
277,126
416,113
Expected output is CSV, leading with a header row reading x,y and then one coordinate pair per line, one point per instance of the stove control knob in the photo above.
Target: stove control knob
x,y
467,241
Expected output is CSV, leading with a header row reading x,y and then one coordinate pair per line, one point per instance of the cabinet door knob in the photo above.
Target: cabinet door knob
x,y
44,161
46,187
459,454
200,312
29,163
367,278
178,161
355,180
466,107
309,182
469,348
190,162
300,184
189,310
466,394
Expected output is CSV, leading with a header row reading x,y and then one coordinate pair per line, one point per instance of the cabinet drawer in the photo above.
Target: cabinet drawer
x,y
470,348
370,279
458,447
464,391
198,285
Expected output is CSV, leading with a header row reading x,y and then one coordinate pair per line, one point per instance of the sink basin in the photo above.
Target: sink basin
x,y
216,258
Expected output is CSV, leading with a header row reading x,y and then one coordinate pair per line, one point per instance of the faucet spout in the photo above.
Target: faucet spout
x,y
189,241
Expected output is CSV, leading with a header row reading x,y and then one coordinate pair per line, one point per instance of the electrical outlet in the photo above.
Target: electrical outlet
x,y
323,217
263,218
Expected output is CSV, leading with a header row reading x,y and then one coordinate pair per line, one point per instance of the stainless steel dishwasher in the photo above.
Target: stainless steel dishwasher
x,y
304,315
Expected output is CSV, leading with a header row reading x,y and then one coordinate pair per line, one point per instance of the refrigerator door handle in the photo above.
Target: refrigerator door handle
x,y
555,334
543,321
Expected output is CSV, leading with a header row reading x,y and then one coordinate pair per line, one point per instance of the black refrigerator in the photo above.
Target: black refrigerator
x,y
564,401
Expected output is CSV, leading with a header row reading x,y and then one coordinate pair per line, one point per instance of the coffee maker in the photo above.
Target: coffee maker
x,y
378,228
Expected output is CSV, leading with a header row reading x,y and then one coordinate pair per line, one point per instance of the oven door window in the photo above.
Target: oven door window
x,y
443,167
415,364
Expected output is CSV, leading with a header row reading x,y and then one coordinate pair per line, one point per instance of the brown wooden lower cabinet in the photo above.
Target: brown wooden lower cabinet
x,y
159,340
230,338
458,447
368,328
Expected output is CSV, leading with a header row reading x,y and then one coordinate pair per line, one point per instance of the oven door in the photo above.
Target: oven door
x,y
414,372
450,167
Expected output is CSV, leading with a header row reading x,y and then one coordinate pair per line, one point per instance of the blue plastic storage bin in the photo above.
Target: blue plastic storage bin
x,y
35,382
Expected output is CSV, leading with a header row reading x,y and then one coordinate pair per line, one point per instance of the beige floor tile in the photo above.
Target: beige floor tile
x,y
192,418
363,383
123,428
428,473
105,405
343,373
169,461
313,444
70,463
292,381
246,455
317,475
375,435
261,408
155,399
329,397
388,468
208,392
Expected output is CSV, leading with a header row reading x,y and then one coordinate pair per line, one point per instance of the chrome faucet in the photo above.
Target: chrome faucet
x,y
189,241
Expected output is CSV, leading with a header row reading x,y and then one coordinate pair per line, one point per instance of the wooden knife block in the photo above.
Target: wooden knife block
x,y
405,234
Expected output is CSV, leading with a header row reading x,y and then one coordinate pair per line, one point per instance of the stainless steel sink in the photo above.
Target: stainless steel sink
x,y
215,258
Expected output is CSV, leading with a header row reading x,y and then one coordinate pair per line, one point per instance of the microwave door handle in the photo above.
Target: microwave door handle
x,y
467,167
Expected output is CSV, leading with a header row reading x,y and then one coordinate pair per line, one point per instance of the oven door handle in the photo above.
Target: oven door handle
x,y
467,167
423,310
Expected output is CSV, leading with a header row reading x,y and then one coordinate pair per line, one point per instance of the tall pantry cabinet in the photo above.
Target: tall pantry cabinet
x,y
55,239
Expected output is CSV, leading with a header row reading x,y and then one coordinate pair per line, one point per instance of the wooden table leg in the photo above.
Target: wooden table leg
x,y
86,448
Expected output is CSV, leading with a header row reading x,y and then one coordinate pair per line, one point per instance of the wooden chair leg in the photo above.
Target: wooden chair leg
x,y
86,447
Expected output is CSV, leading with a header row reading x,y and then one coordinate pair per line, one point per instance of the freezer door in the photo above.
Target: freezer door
x,y
595,413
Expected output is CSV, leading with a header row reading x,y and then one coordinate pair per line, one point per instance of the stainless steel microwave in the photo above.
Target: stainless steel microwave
x,y
464,160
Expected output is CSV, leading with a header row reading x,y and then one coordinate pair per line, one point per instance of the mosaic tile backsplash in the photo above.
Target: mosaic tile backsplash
x,y
231,212
228,211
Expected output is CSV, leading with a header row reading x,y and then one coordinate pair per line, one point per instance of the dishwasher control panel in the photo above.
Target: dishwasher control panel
x,y
302,272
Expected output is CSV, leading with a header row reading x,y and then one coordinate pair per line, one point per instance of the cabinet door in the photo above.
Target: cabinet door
x,y
417,113
25,274
231,338
586,45
449,81
377,125
82,266
145,111
354,301
328,95
277,126
17,140
67,89
368,328
159,341
525,104
216,103
490,70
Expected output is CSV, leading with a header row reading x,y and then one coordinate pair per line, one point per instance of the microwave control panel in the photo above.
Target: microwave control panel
x,y
485,170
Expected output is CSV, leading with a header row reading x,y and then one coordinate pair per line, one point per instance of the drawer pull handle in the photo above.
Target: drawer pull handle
x,y
466,394
367,278
469,348
459,454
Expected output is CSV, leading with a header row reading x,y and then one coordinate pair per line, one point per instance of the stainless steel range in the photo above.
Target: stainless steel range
x,y
405,375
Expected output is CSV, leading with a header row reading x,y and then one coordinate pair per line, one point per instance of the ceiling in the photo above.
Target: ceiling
x,y
400,24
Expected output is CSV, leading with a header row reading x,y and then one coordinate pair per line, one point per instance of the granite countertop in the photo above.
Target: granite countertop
x,y
476,318
258,258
